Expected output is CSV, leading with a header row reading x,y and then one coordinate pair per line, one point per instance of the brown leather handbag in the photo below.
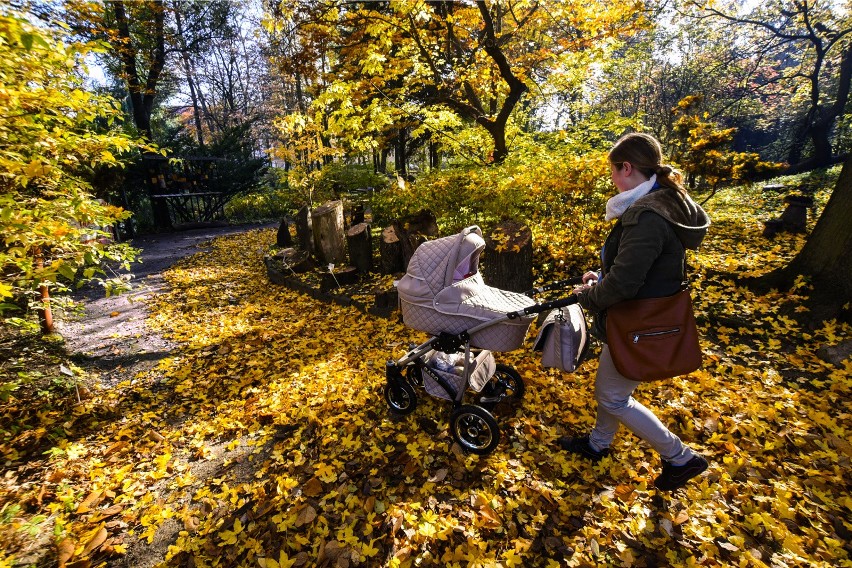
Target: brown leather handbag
x,y
653,338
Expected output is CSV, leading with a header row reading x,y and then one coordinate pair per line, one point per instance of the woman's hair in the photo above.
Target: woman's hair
x,y
643,151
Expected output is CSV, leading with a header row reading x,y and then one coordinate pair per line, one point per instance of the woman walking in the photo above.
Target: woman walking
x,y
643,257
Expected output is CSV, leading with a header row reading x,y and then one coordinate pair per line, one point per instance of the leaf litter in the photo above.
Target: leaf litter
x,y
264,440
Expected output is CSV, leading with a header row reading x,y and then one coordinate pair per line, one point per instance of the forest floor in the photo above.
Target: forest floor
x,y
250,429
104,342
110,334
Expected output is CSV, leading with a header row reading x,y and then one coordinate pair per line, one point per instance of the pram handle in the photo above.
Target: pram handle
x,y
546,306
555,286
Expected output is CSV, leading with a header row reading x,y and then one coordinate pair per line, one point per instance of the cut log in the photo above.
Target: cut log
x,y
507,262
341,277
292,260
283,239
387,299
390,251
772,227
327,225
304,232
360,245
413,231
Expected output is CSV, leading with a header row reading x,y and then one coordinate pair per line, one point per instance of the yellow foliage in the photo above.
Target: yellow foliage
x,y
274,406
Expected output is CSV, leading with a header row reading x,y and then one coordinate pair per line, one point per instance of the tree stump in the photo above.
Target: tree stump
x,y
390,251
794,219
772,227
304,231
327,226
360,245
341,277
413,231
292,259
508,257
283,239
387,299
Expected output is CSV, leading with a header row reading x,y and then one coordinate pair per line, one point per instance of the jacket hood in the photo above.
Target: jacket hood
x,y
689,220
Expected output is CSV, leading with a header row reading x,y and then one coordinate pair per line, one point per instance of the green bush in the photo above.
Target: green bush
x,y
284,192
337,179
272,200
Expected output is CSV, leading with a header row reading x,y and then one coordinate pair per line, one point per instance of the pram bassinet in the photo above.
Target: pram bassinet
x,y
443,292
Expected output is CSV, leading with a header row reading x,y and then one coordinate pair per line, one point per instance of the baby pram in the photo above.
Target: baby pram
x,y
443,294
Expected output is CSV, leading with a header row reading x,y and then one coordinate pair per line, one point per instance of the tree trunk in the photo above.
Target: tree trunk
x,y
434,156
390,251
508,257
196,111
141,96
825,256
356,214
327,225
304,231
45,314
400,158
360,246
383,161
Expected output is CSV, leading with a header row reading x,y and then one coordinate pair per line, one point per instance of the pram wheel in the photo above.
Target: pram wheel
x,y
474,429
401,398
506,384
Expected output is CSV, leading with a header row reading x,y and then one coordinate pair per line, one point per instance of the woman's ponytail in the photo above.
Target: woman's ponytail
x,y
669,177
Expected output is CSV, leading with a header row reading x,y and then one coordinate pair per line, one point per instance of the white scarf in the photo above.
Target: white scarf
x,y
618,204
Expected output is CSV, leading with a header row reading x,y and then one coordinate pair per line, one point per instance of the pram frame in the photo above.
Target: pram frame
x,y
400,386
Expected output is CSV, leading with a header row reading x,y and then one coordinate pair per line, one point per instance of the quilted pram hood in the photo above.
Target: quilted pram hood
x,y
443,291
437,264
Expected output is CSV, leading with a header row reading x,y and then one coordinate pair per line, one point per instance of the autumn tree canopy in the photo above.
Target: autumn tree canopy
x,y
430,67
259,435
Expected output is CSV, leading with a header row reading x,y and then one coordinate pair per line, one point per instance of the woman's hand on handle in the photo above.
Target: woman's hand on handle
x,y
590,278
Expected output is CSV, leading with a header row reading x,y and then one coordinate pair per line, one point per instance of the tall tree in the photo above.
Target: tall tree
x,y
812,43
661,66
443,64
136,34
142,55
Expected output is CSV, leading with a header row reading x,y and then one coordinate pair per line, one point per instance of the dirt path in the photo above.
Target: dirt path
x,y
112,335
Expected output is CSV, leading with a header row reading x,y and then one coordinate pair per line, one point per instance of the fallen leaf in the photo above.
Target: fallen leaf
x,y
106,513
596,549
65,551
439,475
96,541
624,492
313,487
90,501
306,515
155,436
